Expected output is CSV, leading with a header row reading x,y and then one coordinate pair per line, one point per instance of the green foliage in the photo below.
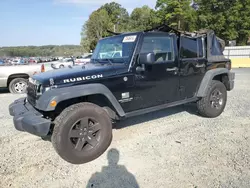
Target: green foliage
x,y
113,17
50,50
95,28
228,18
105,18
118,16
177,13
142,19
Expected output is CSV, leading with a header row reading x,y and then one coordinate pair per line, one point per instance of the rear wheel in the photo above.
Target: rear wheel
x,y
82,133
18,86
213,104
61,66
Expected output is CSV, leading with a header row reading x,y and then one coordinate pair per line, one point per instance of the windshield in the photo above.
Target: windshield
x,y
118,49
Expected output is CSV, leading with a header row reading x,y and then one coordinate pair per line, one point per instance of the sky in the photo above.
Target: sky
x,y
50,22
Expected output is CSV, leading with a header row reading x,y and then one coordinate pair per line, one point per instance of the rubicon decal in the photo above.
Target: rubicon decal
x,y
93,77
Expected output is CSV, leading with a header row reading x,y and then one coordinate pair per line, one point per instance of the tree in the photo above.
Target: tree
x,y
34,51
228,18
95,29
118,15
143,18
107,17
243,24
177,14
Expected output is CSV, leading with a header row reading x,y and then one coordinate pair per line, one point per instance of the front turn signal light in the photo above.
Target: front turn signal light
x,y
53,103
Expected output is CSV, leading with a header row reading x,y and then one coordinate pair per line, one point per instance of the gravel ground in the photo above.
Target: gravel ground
x,y
169,148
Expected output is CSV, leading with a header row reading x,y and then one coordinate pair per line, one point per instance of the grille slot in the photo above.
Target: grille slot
x,y
31,93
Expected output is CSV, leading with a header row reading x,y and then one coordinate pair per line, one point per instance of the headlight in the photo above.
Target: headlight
x,y
41,89
35,82
47,89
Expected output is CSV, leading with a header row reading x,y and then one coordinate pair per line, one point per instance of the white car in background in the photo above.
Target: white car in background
x,y
17,61
62,63
83,60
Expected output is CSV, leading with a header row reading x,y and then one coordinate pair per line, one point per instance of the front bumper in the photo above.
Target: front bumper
x,y
27,118
231,77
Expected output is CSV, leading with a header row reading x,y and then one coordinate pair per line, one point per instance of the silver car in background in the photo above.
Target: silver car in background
x,y
15,77
83,59
62,63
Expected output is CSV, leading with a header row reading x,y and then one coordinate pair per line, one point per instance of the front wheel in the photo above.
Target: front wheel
x,y
213,104
82,133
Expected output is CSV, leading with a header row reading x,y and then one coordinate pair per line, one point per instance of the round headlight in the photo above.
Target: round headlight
x,y
47,88
40,89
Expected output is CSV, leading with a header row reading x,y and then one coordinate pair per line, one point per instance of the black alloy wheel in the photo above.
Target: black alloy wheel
x,y
216,99
85,134
213,104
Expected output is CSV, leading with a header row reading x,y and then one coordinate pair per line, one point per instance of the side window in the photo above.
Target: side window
x,y
161,46
192,47
189,48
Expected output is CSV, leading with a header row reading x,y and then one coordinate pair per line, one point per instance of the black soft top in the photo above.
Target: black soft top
x,y
215,45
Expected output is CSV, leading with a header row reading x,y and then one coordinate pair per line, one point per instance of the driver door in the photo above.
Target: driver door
x,y
156,83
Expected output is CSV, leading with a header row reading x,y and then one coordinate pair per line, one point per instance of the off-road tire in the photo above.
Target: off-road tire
x,y
63,124
204,105
14,82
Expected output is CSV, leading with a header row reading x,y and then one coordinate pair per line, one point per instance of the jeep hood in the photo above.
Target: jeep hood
x,y
78,74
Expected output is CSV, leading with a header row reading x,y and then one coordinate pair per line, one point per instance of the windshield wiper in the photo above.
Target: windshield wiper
x,y
110,62
103,61
95,61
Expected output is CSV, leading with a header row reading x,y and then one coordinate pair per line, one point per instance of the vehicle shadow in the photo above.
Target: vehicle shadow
x,y
190,108
113,175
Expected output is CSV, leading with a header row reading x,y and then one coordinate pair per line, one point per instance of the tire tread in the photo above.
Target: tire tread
x,y
202,104
57,126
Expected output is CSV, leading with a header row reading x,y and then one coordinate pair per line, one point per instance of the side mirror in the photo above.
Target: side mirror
x,y
147,58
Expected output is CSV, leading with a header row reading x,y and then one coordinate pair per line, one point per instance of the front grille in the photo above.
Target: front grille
x,y
31,93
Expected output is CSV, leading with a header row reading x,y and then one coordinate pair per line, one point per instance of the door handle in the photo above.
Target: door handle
x,y
172,69
200,65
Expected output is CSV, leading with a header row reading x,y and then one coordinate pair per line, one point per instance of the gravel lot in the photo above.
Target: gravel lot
x,y
170,148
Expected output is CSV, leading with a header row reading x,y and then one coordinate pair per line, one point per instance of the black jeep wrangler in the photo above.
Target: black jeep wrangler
x,y
129,74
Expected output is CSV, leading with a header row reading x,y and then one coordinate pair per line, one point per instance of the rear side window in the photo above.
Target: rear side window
x,y
191,47
216,47
161,46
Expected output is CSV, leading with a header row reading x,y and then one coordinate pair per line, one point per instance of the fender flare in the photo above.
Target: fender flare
x,y
62,94
207,79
